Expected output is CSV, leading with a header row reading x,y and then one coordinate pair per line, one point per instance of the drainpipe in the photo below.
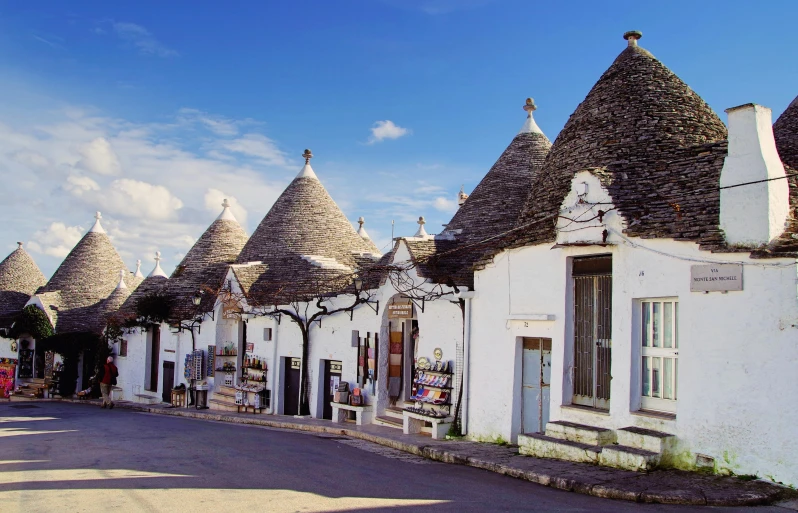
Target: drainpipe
x,y
467,296
273,402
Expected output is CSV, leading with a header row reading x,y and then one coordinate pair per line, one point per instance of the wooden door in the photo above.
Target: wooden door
x,y
293,368
536,383
155,357
168,381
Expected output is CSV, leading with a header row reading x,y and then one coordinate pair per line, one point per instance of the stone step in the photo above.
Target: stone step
x,y
629,458
542,446
216,404
579,433
646,439
392,422
225,392
394,412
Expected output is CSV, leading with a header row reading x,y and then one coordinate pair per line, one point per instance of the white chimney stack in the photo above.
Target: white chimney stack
x,y
756,213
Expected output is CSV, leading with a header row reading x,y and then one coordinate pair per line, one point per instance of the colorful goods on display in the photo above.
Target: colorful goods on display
x,y
395,365
8,367
432,387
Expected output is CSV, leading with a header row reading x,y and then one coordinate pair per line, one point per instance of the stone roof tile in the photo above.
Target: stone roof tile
x,y
20,277
785,130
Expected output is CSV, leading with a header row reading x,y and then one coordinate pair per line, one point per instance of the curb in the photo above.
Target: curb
x,y
693,497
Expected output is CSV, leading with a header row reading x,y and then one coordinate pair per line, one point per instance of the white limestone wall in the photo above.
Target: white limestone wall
x,y
132,368
737,358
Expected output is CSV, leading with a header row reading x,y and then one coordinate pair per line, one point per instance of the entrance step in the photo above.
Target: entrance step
x,y
543,446
222,405
579,433
392,422
225,392
646,439
394,412
628,458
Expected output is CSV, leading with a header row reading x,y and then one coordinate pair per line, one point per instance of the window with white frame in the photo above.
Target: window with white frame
x,y
659,363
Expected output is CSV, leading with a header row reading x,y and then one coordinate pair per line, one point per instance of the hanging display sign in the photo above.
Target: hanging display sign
x,y
231,311
296,363
400,310
335,367
716,277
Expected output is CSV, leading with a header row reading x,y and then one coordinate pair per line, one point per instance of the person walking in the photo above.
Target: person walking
x,y
108,376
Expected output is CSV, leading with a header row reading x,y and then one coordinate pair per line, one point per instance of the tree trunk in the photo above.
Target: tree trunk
x,y
304,386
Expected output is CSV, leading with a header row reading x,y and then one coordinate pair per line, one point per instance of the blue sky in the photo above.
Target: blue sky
x,y
152,113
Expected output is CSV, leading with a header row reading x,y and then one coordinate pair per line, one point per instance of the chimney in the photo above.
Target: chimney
x,y
752,214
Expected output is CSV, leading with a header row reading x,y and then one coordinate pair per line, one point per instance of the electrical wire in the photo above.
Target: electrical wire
x,y
759,181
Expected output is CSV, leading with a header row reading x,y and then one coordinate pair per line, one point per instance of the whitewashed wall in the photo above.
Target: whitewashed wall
x,y
737,358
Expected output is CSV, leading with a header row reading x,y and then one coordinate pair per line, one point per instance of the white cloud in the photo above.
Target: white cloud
x,y
99,157
216,124
59,161
258,146
386,130
56,240
445,204
213,204
142,39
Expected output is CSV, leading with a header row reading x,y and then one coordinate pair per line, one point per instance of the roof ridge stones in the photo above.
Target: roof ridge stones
x,y
20,277
785,130
637,122
205,264
304,224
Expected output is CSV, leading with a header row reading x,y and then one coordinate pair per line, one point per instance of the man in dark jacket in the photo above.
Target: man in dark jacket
x,y
108,374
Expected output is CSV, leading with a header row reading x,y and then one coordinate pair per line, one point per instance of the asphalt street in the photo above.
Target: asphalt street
x,y
76,458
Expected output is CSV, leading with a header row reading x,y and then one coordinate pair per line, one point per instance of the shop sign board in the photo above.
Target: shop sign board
x,y
716,277
296,363
335,367
400,310
231,311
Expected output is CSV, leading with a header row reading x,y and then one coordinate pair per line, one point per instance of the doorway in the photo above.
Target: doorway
x,y
292,370
592,285
332,378
154,356
536,384
168,381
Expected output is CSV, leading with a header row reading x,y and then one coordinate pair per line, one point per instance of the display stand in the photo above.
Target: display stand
x,y
432,392
252,391
363,414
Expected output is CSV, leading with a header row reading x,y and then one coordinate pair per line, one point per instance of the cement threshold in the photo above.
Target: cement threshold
x,y
659,486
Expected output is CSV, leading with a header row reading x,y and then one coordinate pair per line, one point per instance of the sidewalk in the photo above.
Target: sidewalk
x,y
661,486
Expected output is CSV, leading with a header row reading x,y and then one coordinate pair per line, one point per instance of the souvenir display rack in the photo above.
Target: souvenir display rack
x,y
251,393
432,389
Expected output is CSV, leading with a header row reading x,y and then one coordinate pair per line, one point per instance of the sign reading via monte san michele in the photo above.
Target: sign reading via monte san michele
x,y
716,277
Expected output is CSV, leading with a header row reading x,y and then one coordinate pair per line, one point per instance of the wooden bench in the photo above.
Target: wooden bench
x,y
414,423
363,414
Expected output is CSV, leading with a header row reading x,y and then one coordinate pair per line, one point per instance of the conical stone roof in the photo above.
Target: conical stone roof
x,y
20,277
785,130
86,277
657,145
495,204
304,236
205,265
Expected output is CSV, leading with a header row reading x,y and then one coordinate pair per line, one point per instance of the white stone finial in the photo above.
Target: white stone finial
x,y
97,228
530,127
138,273
461,196
121,284
307,171
227,214
157,271
362,231
421,231
19,245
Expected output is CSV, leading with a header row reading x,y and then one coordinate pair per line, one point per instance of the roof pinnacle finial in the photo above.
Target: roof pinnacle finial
x,y
157,271
97,228
421,231
138,274
307,171
530,127
121,284
461,196
227,214
19,245
632,37
362,231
